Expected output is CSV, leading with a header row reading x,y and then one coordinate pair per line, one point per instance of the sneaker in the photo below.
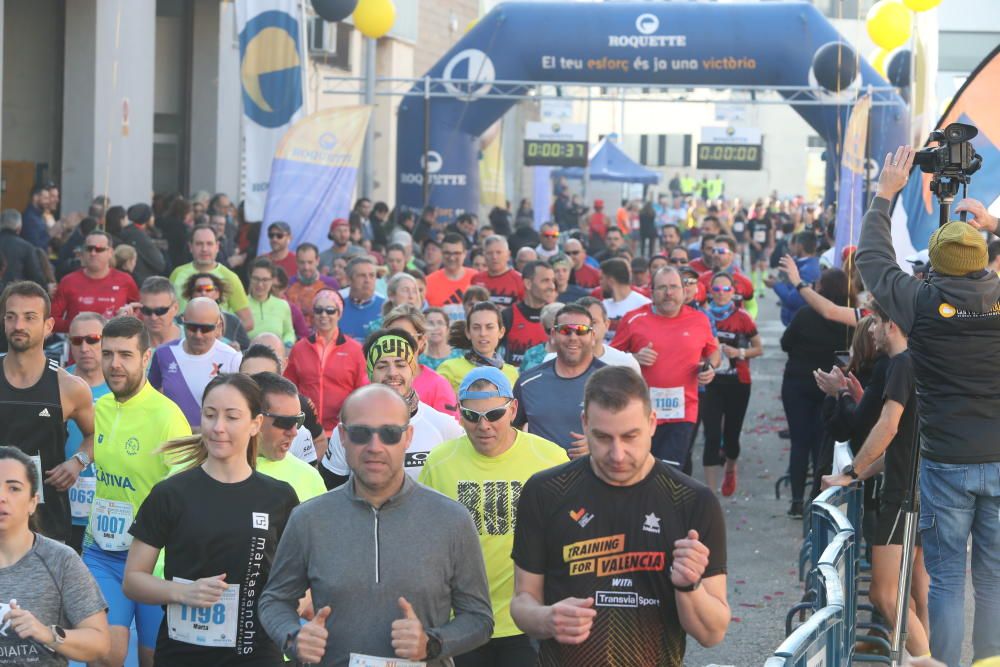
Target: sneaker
x,y
729,480
795,511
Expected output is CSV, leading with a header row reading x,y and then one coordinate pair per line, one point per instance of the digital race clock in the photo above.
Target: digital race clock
x,y
547,152
746,157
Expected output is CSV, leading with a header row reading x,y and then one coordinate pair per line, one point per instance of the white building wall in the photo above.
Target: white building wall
x,y
102,154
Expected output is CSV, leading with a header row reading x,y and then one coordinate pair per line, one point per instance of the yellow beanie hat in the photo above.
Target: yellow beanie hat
x,y
957,248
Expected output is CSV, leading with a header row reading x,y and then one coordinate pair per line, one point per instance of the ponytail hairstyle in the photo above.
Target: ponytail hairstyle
x,y
190,452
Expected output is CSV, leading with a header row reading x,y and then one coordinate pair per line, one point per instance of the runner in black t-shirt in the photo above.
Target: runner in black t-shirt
x,y
219,524
889,447
616,549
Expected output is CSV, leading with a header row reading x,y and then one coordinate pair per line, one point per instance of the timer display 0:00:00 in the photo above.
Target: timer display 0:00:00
x,y
729,153
556,149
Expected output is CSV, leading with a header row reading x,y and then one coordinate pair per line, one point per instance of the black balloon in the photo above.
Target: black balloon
x,y
334,10
835,66
898,69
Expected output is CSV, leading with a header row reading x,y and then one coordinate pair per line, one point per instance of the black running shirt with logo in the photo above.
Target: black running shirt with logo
x,y
615,544
31,419
207,528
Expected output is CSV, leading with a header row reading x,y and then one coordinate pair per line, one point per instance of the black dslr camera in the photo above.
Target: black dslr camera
x,y
952,163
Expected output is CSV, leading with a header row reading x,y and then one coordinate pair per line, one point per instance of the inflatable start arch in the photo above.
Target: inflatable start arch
x,y
764,45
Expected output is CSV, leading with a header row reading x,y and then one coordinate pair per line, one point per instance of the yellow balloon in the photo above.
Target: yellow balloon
x,y
889,23
879,59
921,5
374,18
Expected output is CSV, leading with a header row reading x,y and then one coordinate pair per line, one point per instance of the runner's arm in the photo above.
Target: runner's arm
x,y
139,584
88,641
77,405
246,317
526,606
704,612
828,309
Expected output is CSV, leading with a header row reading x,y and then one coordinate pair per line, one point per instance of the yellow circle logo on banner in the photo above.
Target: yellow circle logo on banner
x,y
889,23
946,310
374,18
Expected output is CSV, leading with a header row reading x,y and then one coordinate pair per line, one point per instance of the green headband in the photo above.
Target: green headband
x,y
389,346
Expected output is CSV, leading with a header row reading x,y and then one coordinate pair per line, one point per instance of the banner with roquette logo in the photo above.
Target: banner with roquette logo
x,y
271,65
314,172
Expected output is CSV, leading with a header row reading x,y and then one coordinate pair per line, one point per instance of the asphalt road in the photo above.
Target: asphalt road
x,y
763,542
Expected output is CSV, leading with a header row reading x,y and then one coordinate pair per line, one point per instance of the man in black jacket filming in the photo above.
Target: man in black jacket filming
x,y
952,320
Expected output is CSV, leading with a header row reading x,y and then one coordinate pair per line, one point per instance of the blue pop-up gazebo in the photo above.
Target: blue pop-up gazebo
x,y
609,163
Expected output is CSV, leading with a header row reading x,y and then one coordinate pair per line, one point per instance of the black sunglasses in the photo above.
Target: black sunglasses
x,y
159,312
198,327
285,422
89,340
320,310
276,235
389,434
496,414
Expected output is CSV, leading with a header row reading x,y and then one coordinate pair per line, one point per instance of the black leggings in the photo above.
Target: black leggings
x,y
514,651
722,409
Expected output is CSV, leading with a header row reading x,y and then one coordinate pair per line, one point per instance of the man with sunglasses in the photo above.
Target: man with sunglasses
x,y
583,273
130,424
183,368
279,235
549,397
548,244
95,286
157,308
724,261
395,569
485,470
283,417
391,359
85,350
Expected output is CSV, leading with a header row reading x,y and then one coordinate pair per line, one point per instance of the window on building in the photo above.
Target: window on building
x,y
658,150
330,42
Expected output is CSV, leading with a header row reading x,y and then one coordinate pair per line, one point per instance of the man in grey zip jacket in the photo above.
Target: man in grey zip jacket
x,y
388,561
952,321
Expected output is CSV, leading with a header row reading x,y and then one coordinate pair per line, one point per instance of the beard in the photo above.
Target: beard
x,y
21,344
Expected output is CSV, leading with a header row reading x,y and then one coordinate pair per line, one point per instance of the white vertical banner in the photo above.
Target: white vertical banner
x,y
271,37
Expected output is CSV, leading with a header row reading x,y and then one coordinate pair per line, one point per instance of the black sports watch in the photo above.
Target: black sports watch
x,y
850,472
801,286
433,645
688,589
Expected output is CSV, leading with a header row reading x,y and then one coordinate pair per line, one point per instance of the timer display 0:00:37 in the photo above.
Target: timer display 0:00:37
x,y
566,153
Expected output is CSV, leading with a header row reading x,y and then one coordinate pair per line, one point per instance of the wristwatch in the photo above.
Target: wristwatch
x,y
850,472
433,645
82,459
290,646
58,634
801,286
688,589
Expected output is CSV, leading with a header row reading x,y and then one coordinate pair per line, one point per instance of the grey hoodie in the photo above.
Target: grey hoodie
x,y
358,560
953,325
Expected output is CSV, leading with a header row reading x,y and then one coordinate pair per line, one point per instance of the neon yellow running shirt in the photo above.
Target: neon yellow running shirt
x,y
127,463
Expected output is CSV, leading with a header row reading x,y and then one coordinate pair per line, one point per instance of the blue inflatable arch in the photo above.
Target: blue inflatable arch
x,y
765,44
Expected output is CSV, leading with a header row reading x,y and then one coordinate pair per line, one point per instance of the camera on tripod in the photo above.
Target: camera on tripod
x,y
952,163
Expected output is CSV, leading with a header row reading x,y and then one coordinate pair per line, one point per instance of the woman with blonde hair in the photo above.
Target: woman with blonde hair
x,y
218,523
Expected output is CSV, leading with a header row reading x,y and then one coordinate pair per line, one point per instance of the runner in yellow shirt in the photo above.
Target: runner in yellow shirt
x,y
282,418
485,470
130,424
